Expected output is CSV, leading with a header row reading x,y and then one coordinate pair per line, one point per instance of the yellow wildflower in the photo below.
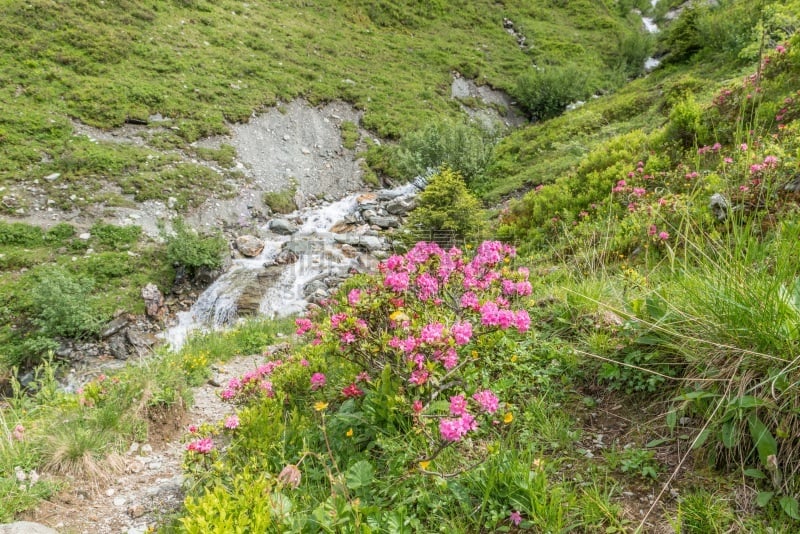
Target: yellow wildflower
x,y
319,406
508,417
398,316
349,433
424,464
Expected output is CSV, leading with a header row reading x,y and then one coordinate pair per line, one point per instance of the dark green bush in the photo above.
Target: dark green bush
x,y
20,234
116,237
191,250
545,93
464,147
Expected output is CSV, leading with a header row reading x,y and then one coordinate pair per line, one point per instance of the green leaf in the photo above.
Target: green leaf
x,y
359,475
747,401
763,498
765,443
728,434
655,443
672,419
701,439
754,473
790,507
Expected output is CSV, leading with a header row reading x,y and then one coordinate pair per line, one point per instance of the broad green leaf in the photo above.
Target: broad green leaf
x,y
359,475
790,507
701,439
728,434
656,442
765,443
672,419
763,498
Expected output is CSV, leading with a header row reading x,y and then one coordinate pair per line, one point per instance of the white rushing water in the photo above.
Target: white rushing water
x,y
651,27
318,253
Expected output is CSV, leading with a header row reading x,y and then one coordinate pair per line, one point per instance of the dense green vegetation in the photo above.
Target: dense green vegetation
x,y
656,230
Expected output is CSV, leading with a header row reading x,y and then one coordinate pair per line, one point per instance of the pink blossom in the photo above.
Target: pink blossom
x,y
417,406
347,338
303,325
780,49
428,286
524,288
458,405
192,429
419,377
353,296
317,381
337,319
522,321
515,517
201,446
743,147
455,429
653,230
18,433
351,391
396,281
232,422
469,300
728,160
408,344
431,333
770,161
639,191
462,332
487,400
663,236
227,394
450,358
304,362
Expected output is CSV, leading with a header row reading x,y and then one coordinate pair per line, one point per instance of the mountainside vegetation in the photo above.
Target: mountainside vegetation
x,y
621,355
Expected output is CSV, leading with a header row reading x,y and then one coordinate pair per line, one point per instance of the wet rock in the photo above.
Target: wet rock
x,y
249,245
370,243
153,301
114,326
346,239
136,511
282,227
401,206
341,227
385,222
118,347
285,257
25,527
141,341
205,276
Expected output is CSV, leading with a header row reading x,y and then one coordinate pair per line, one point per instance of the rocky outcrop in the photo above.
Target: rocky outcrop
x,y
282,227
153,301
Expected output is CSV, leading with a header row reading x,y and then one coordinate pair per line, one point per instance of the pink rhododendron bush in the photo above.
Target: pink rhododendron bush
x,y
394,389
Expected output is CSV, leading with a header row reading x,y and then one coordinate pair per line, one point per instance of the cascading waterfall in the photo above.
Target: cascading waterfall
x,y
317,252
651,27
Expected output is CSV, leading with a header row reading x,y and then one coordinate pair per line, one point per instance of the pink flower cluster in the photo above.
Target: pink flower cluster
x,y
456,427
352,391
251,383
453,429
231,422
201,446
317,381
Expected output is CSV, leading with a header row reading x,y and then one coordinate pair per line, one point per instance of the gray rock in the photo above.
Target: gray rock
x,y
153,301
118,347
347,239
282,227
285,257
249,245
52,177
114,326
719,206
25,527
385,222
371,243
401,206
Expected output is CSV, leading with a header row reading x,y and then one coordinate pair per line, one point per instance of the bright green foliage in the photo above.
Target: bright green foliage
x,y
193,251
61,304
446,209
281,201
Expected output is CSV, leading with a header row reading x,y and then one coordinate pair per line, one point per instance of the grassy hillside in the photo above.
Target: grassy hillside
x,y
632,368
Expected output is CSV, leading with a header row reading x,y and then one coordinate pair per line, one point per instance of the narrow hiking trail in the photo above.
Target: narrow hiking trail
x,y
148,485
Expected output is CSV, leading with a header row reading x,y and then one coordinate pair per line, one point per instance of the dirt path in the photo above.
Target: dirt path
x,y
149,487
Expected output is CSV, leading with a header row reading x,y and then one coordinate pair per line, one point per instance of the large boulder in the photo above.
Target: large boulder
x,y
401,206
282,227
249,245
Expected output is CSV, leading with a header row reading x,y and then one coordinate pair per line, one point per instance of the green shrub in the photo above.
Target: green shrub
x,y
685,127
191,250
61,304
281,201
116,237
446,211
545,93
464,147
350,134
20,234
